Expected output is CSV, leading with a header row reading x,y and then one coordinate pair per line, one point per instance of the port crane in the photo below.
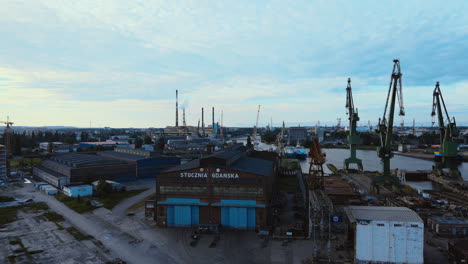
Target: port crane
x,y
8,124
317,159
448,153
254,134
385,126
353,138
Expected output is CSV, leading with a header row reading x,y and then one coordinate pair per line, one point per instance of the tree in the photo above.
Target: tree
x,y
103,188
249,142
148,140
138,142
160,143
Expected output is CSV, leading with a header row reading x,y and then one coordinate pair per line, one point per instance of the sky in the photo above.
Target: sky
x,y
118,63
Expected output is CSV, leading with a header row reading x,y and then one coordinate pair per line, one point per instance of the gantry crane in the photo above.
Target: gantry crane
x,y
7,134
353,138
385,126
254,134
448,153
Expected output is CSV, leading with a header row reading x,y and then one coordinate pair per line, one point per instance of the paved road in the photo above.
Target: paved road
x,y
112,238
120,209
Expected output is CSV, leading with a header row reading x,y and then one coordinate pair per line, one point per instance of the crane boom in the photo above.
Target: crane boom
x,y
254,134
353,138
385,126
448,153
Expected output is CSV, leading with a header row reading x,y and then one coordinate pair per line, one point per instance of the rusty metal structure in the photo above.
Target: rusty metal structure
x,y
317,159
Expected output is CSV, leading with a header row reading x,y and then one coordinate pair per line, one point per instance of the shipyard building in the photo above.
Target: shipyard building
x,y
147,163
229,189
71,168
382,234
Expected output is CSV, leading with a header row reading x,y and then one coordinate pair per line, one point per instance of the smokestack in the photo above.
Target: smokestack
x,y
177,108
203,122
212,122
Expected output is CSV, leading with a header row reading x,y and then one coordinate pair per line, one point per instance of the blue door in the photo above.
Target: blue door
x,y
195,215
225,216
170,215
251,218
182,215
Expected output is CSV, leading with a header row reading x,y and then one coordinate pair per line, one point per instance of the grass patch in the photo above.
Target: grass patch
x,y
35,251
113,199
15,242
80,206
290,164
4,199
53,216
9,214
76,233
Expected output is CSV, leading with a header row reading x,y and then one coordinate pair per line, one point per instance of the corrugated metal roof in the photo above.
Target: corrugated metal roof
x,y
382,213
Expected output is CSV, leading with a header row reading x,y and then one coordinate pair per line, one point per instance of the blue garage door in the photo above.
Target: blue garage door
x,y
182,215
238,217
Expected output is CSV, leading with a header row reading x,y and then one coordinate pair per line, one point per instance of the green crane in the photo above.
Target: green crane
x,y
385,126
447,156
353,138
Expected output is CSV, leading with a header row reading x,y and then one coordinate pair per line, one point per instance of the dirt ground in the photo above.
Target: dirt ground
x,y
34,239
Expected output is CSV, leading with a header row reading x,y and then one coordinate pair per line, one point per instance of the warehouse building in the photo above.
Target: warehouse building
x,y
72,168
227,188
148,163
383,234
297,135
449,227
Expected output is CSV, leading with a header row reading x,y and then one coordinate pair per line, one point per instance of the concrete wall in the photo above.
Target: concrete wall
x,y
389,242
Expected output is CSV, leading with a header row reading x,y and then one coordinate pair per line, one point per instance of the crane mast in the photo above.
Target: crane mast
x,y
8,138
448,153
254,134
385,126
353,138
279,142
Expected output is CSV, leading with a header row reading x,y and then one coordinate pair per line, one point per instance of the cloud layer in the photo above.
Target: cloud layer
x,y
118,63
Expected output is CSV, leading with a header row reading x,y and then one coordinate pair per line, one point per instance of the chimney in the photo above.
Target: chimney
x,y
177,108
212,122
203,122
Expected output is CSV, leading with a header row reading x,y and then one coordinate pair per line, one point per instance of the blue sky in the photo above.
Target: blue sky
x,y
118,63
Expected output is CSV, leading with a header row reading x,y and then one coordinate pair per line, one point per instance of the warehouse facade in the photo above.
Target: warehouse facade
x,y
227,188
72,168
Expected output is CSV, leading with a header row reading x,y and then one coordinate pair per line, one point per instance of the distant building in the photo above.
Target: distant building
x,y
72,168
106,144
449,227
148,163
297,135
3,162
382,234
57,147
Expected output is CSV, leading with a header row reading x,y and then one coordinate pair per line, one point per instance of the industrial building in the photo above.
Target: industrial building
x,y
297,135
449,227
383,234
227,188
3,162
148,163
78,190
72,168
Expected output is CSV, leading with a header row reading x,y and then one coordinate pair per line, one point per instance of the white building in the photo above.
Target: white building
x,y
3,162
386,234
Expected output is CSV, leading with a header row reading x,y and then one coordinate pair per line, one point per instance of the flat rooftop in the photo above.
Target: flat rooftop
x,y
382,213
85,160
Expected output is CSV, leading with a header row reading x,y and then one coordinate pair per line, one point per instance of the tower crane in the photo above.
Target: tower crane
x,y
385,126
353,138
8,124
448,153
254,134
